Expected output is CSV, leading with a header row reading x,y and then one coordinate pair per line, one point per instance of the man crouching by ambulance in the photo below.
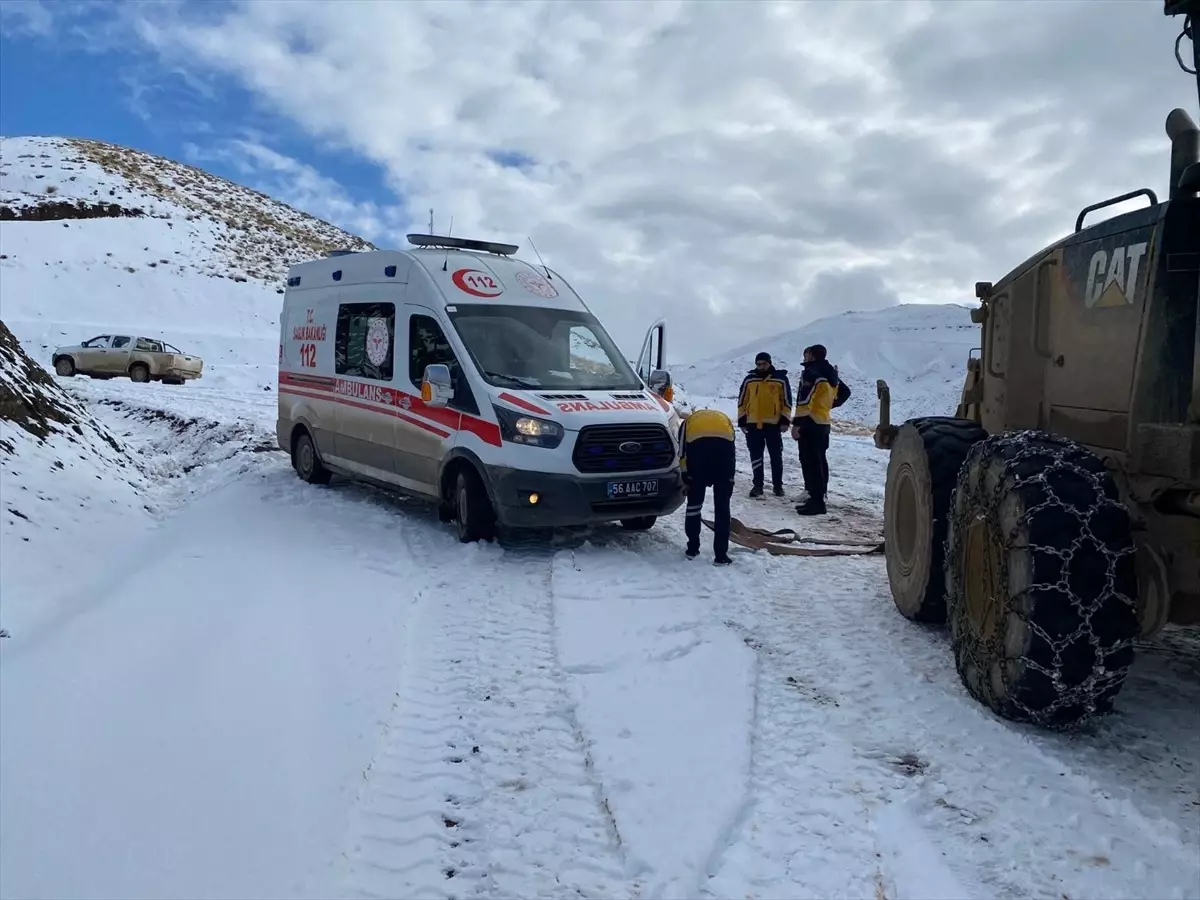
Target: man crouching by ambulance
x,y
707,459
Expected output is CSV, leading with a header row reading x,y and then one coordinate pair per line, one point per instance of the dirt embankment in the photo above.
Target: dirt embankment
x,y
55,210
30,399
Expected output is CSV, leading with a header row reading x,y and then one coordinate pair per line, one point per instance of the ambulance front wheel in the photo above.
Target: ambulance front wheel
x,y
473,513
641,523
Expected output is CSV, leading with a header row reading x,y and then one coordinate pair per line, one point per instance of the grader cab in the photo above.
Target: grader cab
x,y
1055,518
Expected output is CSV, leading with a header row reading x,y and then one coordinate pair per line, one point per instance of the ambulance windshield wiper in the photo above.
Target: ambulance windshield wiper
x,y
512,379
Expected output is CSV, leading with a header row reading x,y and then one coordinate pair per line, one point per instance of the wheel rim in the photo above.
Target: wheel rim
x,y
906,520
982,554
305,456
139,374
462,508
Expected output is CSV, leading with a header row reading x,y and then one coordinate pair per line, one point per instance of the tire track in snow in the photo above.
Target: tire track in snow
x,y
829,788
959,803
481,784
806,831
804,827
665,693
1003,809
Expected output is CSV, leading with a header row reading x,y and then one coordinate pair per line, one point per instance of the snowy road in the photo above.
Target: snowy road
x,y
279,690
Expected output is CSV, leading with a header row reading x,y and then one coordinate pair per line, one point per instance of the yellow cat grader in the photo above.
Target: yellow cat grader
x,y
1055,518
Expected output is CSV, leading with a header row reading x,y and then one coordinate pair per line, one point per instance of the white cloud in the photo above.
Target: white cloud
x,y
26,17
300,185
737,167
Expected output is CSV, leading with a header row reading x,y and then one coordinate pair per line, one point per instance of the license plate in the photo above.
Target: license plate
x,y
628,490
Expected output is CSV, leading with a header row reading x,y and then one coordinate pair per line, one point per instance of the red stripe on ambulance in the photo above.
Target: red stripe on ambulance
x,y
312,382
524,404
364,395
395,413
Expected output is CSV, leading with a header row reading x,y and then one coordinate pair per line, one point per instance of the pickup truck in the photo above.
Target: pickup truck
x,y
116,355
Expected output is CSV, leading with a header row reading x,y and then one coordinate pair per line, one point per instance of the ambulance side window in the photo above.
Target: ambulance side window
x,y
365,344
427,345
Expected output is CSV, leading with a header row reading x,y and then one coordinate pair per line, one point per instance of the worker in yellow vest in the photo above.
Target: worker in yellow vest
x,y
811,427
764,413
707,459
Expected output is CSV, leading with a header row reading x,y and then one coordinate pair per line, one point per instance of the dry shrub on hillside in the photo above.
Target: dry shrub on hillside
x,y
262,235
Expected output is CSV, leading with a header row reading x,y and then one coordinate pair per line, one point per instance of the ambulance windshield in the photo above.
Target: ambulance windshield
x,y
542,349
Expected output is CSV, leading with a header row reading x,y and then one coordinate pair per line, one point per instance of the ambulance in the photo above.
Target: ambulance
x,y
455,372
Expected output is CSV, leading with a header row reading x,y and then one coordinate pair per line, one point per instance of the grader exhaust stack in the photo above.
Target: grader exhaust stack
x,y
1185,154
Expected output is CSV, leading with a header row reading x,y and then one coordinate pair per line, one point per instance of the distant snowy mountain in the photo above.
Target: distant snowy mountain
x,y
95,237
920,350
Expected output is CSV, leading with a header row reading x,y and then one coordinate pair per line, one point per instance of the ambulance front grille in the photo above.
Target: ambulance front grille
x,y
599,448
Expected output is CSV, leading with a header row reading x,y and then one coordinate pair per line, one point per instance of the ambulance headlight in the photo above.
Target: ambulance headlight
x,y
522,429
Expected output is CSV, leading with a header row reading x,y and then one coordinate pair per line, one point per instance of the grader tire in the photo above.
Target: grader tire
x,y
922,471
1041,580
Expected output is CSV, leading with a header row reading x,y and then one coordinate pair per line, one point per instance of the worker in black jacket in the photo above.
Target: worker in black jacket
x,y
764,413
707,458
811,427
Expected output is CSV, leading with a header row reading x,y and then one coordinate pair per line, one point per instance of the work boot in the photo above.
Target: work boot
x,y
691,554
811,507
722,561
756,491
779,490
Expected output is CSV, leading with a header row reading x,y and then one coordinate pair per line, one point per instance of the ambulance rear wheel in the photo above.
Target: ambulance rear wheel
x,y
306,462
641,523
475,519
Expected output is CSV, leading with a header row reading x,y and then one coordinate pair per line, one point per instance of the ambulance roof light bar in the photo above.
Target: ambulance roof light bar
x,y
453,243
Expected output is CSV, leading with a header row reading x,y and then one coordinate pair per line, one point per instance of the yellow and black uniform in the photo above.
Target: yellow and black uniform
x,y
764,411
816,392
707,459
765,400
814,400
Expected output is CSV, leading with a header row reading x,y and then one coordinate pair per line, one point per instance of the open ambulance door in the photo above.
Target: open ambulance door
x,y
652,362
652,369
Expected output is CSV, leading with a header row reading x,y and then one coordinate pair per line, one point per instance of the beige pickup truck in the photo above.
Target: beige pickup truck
x,y
117,355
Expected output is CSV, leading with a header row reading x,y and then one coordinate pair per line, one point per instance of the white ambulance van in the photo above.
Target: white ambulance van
x,y
456,372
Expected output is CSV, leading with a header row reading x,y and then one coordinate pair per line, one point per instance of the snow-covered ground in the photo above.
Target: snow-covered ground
x,y
272,689
223,682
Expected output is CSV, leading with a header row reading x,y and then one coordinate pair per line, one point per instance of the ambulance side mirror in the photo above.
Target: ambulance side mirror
x,y
437,389
660,382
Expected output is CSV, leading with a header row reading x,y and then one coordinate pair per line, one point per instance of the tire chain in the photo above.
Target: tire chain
x,y
1064,456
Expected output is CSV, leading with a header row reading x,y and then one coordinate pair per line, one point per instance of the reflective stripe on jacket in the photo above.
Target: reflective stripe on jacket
x,y
765,399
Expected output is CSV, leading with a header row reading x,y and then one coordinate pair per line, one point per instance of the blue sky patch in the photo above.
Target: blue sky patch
x,y
511,159
62,85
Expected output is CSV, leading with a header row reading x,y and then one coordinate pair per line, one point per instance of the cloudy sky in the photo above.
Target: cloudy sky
x,y
737,167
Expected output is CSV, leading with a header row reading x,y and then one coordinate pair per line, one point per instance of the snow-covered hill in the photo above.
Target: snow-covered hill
x,y
95,237
920,350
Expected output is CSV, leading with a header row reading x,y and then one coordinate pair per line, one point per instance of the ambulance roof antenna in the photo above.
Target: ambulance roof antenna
x,y
539,256
431,220
448,233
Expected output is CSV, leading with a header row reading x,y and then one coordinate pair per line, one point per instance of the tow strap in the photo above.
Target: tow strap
x,y
779,543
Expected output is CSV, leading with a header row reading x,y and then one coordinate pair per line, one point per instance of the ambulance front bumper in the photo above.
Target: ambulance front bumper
x,y
525,499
